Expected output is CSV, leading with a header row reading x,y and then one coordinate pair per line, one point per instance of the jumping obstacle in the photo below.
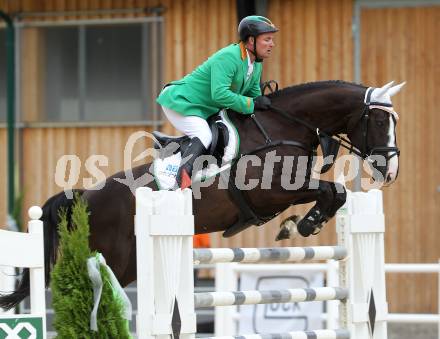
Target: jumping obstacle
x,y
164,226
26,250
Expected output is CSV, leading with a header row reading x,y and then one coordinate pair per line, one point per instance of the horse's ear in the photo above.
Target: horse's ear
x,y
395,89
381,91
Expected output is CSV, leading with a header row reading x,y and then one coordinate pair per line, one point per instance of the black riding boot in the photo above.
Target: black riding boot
x,y
194,150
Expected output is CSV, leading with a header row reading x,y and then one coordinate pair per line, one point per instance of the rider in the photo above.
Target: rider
x,y
230,78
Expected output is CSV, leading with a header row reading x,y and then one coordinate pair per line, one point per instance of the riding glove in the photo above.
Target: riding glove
x,y
261,102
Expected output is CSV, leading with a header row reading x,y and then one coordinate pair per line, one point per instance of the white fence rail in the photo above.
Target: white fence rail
x,y
228,273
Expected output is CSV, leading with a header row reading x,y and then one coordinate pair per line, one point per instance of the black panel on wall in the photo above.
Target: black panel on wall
x,y
245,8
251,7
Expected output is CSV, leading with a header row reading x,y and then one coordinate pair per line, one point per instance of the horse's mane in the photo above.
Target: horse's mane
x,y
295,89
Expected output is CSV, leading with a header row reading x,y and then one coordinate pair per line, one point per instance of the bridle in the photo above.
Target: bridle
x,y
364,152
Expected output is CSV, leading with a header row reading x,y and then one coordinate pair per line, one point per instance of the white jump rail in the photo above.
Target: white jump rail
x,y
253,255
165,259
226,278
26,250
318,334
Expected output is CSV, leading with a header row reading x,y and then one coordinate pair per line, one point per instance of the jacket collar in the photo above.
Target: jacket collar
x,y
243,51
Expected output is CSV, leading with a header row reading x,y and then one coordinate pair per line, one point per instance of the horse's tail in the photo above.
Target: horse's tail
x,y
50,221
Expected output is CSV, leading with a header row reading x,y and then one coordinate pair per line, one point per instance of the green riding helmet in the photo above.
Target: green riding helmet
x,y
254,25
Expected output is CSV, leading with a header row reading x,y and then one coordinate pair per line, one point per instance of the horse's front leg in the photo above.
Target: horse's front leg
x,y
329,198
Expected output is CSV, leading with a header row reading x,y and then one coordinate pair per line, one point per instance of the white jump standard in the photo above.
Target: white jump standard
x,y
26,250
165,261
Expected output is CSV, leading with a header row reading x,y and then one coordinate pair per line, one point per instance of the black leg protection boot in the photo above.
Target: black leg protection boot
x,y
311,223
194,150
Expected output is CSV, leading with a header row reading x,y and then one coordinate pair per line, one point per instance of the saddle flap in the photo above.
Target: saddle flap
x,y
220,136
330,149
224,148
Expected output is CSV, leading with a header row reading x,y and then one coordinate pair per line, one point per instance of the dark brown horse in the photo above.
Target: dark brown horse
x,y
289,128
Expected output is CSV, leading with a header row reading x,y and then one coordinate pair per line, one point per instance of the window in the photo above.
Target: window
x,y
113,73
92,72
61,86
3,72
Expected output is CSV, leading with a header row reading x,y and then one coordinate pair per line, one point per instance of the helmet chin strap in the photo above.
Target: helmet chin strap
x,y
254,52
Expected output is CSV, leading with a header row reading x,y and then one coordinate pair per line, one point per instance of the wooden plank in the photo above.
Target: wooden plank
x,y
32,74
347,41
272,66
212,29
178,42
325,39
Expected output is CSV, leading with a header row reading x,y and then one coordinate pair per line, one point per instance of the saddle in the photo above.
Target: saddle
x,y
224,147
220,138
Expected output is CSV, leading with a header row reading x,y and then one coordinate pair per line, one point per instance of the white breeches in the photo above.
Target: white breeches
x,y
191,126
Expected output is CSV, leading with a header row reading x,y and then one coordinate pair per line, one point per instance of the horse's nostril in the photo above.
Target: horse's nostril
x,y
388,177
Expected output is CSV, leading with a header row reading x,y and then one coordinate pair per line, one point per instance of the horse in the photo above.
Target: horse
x,y
299,119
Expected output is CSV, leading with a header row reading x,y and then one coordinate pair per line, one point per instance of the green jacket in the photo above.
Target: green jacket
x,y
216,84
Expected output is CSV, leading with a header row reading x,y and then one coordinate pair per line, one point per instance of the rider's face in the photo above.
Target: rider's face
x,y
265,44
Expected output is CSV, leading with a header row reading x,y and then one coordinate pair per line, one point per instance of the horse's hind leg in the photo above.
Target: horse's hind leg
x,y
328,201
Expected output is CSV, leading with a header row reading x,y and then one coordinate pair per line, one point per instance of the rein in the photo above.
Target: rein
x,y
343,142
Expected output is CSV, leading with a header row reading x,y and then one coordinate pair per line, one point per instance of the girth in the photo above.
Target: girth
x,y
246,214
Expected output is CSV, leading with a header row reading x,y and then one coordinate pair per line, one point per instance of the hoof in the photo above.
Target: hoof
x,y
288,228
307,227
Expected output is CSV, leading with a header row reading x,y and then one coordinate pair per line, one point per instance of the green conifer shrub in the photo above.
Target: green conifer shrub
x,y
72,289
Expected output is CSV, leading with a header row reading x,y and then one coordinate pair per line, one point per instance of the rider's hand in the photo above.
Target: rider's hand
x,y
261,102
